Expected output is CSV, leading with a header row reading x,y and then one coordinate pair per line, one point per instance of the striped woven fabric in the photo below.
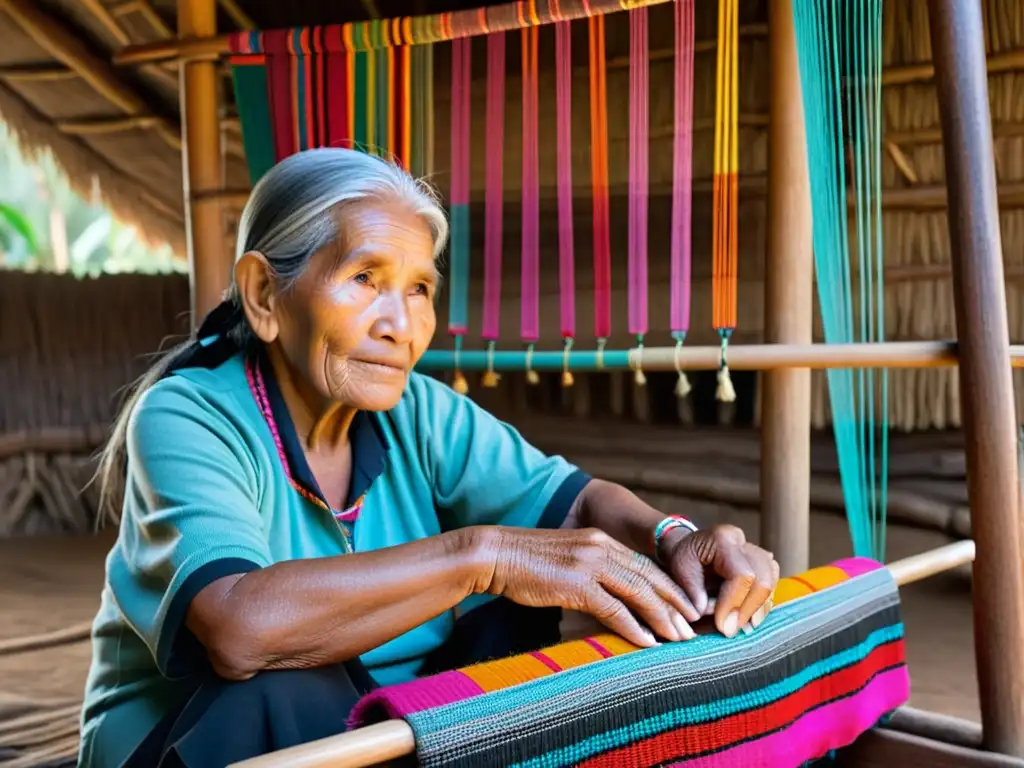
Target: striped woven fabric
x,y
824,667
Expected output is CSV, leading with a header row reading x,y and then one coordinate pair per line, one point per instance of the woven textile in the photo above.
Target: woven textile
x,y
817,673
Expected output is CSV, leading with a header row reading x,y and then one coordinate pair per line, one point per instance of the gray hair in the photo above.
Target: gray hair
x,y
290,216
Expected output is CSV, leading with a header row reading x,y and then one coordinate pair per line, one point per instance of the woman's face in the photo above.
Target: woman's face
x,y
361,316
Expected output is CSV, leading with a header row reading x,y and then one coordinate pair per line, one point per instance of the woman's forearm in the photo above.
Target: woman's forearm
x,y
620,513
308,613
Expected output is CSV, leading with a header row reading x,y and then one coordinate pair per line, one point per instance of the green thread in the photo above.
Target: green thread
x,y
839,51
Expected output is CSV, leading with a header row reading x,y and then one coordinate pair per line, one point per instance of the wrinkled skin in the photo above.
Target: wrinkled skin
x,y
345,338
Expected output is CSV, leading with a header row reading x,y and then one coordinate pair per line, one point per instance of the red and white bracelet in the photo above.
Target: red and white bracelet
x,y
670,523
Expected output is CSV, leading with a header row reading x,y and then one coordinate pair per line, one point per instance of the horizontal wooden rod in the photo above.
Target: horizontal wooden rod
x,y
394,739
27,73
939,560
740,357
105,125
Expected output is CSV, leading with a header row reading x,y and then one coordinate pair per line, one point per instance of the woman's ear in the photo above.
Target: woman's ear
x,y
256,292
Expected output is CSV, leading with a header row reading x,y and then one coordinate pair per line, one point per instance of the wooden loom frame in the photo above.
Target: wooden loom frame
x,y
983,354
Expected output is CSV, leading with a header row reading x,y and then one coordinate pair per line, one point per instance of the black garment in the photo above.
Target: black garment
x,y
224,721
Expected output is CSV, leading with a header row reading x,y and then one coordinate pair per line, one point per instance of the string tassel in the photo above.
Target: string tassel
x,y
490,379
532,377
459,383
567,378
683,387
638,376
725,393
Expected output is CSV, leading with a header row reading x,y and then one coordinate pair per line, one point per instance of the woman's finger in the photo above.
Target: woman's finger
x,y
664,585
631,587
614,615
764,582
738,579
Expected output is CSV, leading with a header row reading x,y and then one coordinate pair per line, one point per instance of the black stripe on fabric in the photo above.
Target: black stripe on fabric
x,y
668,761
561,502
563,727
179,653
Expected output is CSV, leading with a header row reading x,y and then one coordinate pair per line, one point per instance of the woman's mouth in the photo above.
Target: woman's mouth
x,y
380,368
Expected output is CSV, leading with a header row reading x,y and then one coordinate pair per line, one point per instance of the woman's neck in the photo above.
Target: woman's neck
x,y
320,423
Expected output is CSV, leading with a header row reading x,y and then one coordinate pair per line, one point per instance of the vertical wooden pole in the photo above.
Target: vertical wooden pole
x,y
986,385
202,171
789,274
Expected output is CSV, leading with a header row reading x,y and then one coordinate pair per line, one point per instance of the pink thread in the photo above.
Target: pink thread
x,y
461,50
638,170
493,185
682,173
530,269
259,392
563,119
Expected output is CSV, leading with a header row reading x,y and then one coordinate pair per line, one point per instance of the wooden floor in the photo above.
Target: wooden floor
x,y
50,583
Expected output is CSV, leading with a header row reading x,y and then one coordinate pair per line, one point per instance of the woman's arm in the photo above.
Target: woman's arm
x,y
309,613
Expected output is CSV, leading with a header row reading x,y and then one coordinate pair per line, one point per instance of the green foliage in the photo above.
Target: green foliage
x,y
36,201
15,225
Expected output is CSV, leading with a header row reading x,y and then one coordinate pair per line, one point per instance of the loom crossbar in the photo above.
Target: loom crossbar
x,y
393,739
748,357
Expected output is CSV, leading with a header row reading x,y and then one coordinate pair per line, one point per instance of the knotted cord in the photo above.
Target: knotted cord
x,y
458,320
638,178
563,129
493,196
682,184
725,237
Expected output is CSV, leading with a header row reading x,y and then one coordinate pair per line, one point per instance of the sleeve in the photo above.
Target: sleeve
x,y
485,473
190,517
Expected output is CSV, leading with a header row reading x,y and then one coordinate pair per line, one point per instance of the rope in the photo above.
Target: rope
x,y
530,268
599,181
839,51
494,193
682,186
563,127
638,176
458,320
726,188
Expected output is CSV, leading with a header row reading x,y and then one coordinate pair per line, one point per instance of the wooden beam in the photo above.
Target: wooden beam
x,y
110,23
65,46
32,73
986,381
105,125
237,15
788,308
209,261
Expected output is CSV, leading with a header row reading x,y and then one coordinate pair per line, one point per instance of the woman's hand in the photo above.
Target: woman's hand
x,y
587,570
721,560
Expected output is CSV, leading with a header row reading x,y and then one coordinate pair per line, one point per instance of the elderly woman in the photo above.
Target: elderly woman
x,y
305,517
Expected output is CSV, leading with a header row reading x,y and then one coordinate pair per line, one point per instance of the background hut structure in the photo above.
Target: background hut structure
x,y
99,84
87,81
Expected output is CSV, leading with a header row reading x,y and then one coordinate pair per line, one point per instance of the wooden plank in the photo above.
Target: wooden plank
x,y
884,748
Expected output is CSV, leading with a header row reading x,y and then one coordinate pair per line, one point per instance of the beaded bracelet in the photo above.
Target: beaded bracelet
x,y
670,523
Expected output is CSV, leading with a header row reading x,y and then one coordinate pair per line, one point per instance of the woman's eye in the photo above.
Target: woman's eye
x,y
363,277
421,289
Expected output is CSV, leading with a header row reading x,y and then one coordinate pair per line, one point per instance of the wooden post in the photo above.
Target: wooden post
x,y
789,271
202,173
986,386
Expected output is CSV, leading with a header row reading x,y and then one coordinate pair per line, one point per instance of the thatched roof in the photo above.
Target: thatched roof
x,y
120,128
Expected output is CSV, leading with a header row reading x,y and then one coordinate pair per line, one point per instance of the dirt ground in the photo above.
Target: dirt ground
x,y
50,583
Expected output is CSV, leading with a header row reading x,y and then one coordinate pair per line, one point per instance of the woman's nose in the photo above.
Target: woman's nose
x,y
393,322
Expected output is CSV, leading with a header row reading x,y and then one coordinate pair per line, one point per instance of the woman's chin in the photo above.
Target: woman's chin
x,y
375,395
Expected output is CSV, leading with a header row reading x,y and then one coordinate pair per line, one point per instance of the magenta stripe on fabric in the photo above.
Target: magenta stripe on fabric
x,y
546,660
598,647
493,185
639,150
563,122
682,173
829,727
397,701
857,566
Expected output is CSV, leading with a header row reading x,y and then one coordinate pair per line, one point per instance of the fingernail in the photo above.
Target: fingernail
x,y
758,617
731,624
747,629
651,639
685,630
